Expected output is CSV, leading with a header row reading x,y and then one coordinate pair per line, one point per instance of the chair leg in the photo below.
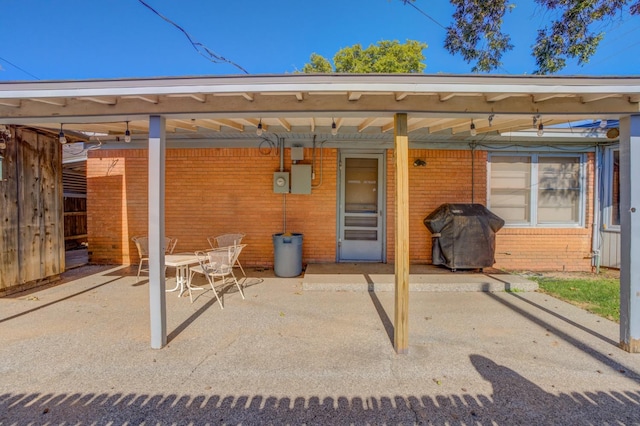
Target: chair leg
x,y
212,282
241,268
139,269
237,285
216,293
191,274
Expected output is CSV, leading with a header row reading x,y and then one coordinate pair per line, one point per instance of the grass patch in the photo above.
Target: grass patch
x,y
600,296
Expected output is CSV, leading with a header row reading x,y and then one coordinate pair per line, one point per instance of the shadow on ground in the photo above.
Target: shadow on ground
x,y
515,400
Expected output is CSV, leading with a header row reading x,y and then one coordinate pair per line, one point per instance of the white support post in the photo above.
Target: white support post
x,y
157,299
630,233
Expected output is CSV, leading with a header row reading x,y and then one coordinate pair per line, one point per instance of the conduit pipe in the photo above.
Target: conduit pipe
x,y
595,238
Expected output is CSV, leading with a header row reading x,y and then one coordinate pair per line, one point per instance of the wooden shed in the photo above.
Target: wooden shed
x,y
31,210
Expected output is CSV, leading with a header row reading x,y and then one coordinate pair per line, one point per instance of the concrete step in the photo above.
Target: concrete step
x,y
434,282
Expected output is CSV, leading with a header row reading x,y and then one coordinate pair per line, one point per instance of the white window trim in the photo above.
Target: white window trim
x,y
607,184
534,194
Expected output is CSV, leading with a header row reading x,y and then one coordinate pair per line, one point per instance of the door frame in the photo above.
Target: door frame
x,y
382,189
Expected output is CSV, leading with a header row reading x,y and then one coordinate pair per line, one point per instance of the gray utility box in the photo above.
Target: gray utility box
x,y
281,182
301,178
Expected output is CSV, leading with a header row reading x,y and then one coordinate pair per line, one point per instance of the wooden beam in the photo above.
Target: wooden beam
x,y
300,96
401,95
449,124
446,96
464,127
103,100
366,123
497,97
10,103
401,317
542,97
189,125
312,124
389,126
422,123
598,96
208,124
285,124
202,98
500,124
634,98
51,101
251,121
368,105
152,99
354,96
248,96
228,123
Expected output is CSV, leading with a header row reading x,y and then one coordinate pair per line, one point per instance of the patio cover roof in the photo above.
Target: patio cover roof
x,y
406,105
308,103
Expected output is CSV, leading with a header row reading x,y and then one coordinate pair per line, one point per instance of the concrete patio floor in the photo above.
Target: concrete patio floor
x,y
79,353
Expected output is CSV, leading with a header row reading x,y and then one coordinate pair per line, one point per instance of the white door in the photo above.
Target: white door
x,y
361,209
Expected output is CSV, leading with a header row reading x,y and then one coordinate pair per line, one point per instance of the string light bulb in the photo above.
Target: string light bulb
x,y
540,129
334,128
61,137
472,129
259,128
127,134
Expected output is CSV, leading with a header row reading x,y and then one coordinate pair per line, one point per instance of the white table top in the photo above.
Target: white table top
x,y
180,259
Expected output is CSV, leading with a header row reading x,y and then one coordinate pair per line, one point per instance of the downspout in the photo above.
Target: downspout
x,y
281,147
284,196
595,226
473,171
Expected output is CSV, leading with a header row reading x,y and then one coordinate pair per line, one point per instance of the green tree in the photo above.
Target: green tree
x,y
476,34
317,63
384,57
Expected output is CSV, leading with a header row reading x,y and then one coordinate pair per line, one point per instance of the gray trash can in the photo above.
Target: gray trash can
x,y
287,254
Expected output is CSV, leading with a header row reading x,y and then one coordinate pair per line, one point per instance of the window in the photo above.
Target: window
x,y
537,189
611,199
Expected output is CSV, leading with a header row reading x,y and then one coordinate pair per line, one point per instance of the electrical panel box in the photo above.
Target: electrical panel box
x,y
301,178
281,182
297,153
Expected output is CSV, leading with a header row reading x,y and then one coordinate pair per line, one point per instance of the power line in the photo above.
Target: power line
x,y
199,47
18,68
410,3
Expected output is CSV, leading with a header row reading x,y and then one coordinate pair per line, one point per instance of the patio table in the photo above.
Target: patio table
x,y
181,262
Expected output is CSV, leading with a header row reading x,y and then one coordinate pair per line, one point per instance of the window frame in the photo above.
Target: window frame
x,y
607,186
533,190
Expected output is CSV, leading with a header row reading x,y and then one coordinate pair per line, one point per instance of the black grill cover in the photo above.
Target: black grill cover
x,y
463,235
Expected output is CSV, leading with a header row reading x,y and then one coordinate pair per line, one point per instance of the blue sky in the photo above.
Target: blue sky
x,y
86,39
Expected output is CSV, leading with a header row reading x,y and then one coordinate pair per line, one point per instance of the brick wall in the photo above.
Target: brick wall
x,y
208,192
446,178
217,190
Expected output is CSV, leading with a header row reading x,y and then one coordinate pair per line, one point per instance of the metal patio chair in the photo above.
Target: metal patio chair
x,y
142,244
214,264
227,240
